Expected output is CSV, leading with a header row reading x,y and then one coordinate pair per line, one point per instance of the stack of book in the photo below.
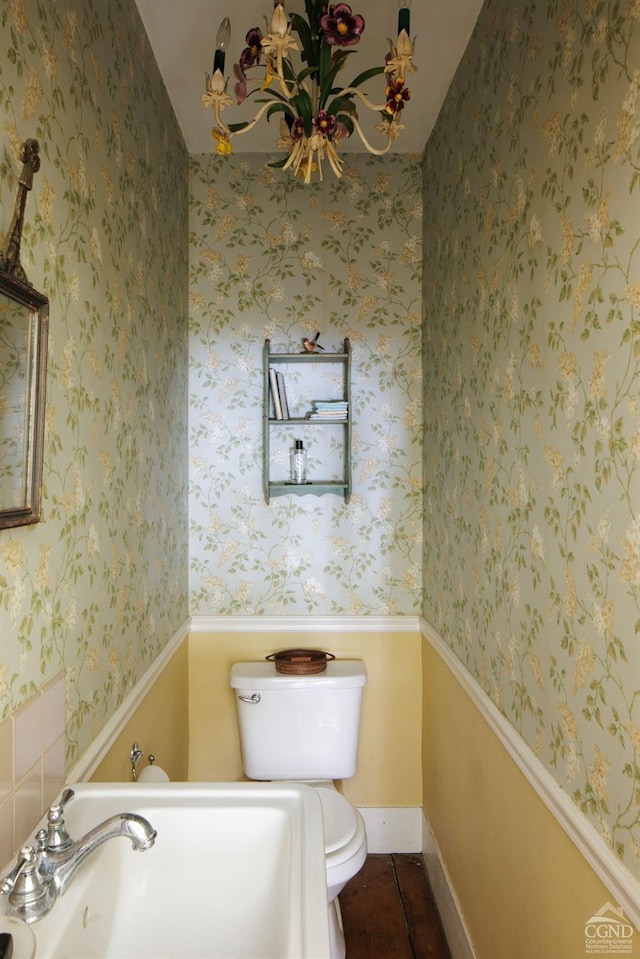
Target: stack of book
x,y
330,410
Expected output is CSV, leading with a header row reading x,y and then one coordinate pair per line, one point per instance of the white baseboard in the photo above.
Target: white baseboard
x,y
407,830
393,829
451,916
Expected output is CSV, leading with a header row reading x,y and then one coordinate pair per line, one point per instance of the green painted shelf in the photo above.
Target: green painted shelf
x,y
316,487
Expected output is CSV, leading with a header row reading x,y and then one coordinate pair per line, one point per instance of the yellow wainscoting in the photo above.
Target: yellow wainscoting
x,y
524,888
160,725
389,767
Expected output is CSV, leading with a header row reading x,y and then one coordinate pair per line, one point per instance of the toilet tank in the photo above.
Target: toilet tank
x,y
299,727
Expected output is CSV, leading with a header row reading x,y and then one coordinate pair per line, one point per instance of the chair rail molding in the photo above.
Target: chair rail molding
x,y
311,624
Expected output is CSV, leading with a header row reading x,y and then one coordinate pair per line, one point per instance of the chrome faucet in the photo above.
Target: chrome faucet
x,y
42,875
60,856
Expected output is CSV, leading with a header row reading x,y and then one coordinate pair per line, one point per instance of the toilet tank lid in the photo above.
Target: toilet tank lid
x,y
340,673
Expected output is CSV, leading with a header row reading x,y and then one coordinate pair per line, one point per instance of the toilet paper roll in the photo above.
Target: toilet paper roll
x,y
153,774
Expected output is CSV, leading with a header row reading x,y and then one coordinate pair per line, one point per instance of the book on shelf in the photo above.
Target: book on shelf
x,y
275,396
339,417
282,393
278,392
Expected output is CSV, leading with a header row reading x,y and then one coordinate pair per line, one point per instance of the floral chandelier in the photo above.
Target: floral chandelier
x,y
315,113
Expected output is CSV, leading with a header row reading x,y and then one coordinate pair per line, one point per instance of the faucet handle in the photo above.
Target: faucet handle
x,y
57,835
66,797
31,896
27,855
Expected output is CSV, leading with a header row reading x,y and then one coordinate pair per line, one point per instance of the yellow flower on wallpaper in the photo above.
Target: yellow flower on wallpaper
x,y
33,94
598,773
583,285
567,365
551,130
13,555
70,32
92,660
568,721
597,385
567,237
226,224
585,665
628,125
555,460
42,573
19,16
632,294
536,669
630,568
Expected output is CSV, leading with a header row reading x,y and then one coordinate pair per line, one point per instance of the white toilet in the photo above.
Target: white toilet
x,y
305,728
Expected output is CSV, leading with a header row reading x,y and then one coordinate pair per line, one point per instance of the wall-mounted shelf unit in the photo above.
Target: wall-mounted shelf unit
x,y
299,424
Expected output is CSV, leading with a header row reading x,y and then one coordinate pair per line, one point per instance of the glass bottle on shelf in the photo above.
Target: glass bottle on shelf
x,y
298,463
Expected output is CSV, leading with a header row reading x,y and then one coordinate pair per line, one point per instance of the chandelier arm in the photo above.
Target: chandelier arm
x,y
366,143
217,114
372,106
281,77
250,123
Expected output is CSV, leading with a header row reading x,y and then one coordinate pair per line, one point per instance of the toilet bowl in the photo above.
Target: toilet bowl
x,y
305,729
345,847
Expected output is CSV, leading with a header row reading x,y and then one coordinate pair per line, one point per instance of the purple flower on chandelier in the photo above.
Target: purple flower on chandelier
x,y
297,129
324,123
240,89
253,50
249,57
341,27
397,96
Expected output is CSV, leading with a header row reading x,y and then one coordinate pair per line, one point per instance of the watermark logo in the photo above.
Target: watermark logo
x,y
608,933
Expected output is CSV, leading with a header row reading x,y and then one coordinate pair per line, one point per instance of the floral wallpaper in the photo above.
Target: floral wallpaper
x,y
532,388
100,586
273,258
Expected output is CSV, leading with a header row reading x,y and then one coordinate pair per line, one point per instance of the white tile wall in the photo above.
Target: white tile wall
x,y
32,764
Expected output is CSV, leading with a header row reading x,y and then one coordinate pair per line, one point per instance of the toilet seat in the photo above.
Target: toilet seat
x,y
345,836
340,819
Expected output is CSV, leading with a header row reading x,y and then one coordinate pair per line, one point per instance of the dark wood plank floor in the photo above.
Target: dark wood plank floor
x,y
389,912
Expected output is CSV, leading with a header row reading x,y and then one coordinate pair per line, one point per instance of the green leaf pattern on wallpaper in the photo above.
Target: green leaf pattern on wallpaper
x,y
273,258
100,585
532,388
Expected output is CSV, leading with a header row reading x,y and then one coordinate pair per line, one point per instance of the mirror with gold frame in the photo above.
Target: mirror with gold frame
x,y
24,325
24,319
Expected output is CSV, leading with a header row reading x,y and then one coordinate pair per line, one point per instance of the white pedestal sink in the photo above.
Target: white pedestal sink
x,y
237,870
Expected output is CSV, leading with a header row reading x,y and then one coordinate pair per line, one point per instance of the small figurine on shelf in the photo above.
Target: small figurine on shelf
x,y
312,346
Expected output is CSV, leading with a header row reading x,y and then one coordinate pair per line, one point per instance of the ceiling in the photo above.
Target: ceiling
x,y
183,39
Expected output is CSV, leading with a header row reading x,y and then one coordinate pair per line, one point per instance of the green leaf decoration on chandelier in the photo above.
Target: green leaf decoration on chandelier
x,y
300,25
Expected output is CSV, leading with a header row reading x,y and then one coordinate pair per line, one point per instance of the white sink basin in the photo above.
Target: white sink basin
x,y
237,870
